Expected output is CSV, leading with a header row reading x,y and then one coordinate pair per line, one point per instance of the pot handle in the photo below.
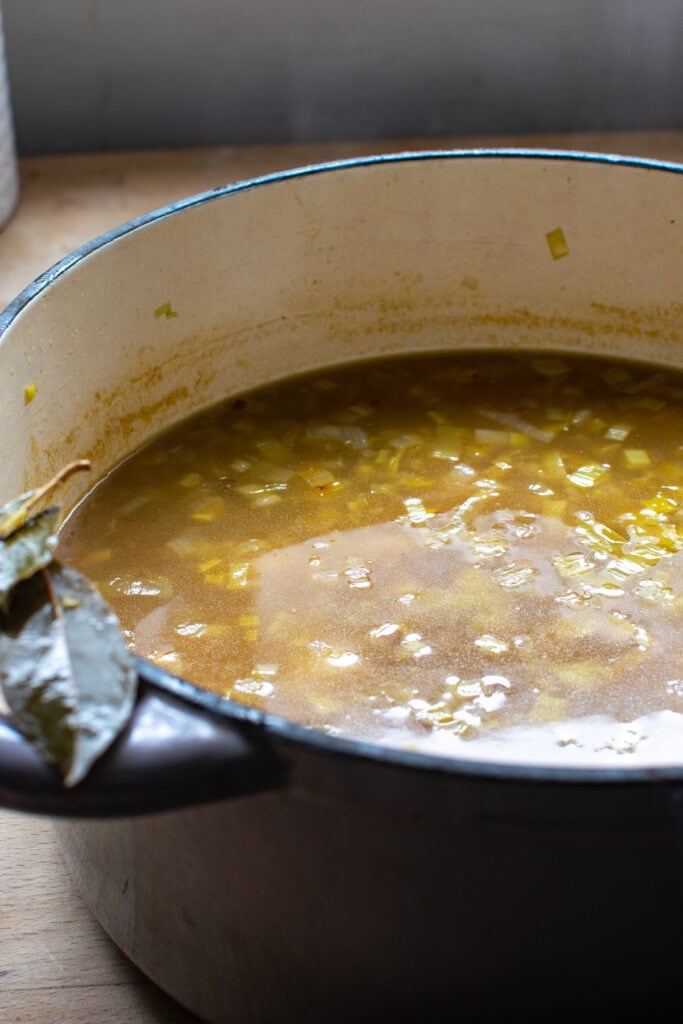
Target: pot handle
x,y
171,755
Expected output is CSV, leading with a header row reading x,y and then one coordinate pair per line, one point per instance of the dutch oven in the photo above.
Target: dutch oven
x,y
261,871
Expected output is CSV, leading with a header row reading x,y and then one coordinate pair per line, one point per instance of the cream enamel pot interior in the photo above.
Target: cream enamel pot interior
x,y
348,880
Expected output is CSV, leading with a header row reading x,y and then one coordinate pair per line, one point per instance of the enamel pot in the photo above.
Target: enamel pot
x,y
262,872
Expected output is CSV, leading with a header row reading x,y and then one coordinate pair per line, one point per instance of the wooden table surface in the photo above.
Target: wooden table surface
x,y
56,964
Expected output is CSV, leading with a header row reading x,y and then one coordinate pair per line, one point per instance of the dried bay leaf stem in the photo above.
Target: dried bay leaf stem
x,y
17,512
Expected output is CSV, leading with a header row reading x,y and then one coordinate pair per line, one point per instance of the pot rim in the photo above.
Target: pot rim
x,y
52,273
281,729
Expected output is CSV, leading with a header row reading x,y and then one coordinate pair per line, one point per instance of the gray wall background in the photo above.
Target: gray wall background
x,y
102,74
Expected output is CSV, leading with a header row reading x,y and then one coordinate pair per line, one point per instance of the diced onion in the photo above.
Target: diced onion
x,y
517,423
352,435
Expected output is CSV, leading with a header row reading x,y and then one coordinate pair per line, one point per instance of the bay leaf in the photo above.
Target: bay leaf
x,y
27,550
66,673
15,513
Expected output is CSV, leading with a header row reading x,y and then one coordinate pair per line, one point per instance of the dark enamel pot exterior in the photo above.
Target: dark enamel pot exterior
x,y
256,870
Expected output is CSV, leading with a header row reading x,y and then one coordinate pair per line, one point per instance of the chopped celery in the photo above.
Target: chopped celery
x,y
636,458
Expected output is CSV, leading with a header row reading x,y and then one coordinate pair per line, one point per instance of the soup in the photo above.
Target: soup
x,y
477,555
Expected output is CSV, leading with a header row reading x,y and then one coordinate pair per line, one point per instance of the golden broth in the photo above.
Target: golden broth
x,y
471,554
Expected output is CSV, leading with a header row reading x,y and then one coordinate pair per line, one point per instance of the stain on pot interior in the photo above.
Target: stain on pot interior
x,y
119,420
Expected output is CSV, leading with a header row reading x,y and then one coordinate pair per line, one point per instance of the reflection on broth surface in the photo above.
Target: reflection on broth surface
x,y
472,554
